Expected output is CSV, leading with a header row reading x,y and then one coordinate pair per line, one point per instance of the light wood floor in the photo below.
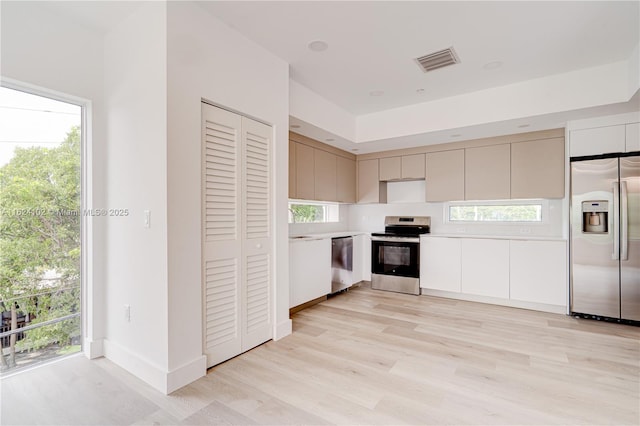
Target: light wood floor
x,y
371,357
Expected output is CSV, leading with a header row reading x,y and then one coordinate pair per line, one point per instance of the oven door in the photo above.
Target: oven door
x,y
398,258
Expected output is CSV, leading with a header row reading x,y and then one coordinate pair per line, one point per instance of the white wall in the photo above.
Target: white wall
x,y
136,179
44,49
207,59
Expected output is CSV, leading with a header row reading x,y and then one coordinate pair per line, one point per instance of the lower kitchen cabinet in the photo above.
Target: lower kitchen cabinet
x,y
309,270
359,259
538,271
440,263
485,267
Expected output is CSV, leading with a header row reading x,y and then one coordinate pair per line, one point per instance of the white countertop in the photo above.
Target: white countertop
x,y
311,237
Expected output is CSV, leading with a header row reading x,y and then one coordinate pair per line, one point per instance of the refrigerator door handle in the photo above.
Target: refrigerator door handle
x,y
616,222
624,222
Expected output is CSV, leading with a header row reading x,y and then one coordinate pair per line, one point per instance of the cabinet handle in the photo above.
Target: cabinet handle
x,y
258,245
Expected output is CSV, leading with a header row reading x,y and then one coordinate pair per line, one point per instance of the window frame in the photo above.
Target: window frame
x,y
544,212
329,216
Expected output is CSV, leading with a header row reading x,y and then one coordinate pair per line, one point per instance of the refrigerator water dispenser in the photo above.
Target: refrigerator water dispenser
x,y
595,217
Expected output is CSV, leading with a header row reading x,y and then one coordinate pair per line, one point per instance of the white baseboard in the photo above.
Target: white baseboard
x,y
186,374
283,329
555,309
93,348
141,368
152,374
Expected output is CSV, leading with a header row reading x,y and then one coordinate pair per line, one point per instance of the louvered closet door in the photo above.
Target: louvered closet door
x,y
222,234
257,320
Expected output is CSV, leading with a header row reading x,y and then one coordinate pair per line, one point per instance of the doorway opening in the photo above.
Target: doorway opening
x,y
40,229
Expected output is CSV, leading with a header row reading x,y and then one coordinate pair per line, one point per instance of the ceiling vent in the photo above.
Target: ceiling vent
x,y
439,59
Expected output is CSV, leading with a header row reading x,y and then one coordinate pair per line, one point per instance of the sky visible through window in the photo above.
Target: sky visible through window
x,y
29,120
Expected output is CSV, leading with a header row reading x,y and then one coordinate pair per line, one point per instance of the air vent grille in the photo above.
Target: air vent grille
x,y
439,59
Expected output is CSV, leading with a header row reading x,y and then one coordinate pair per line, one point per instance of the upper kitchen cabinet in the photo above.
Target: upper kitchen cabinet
x,y
292,170
346,180
537,169
632,140
445,176
408,167
599,140
369,186
390,168
413,166
305,172
325,176
487,172
320,172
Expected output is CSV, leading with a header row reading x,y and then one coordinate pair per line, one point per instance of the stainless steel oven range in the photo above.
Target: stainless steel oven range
x,y
395,254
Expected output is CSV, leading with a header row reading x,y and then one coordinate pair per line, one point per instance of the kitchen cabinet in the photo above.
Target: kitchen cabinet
x,y
445,175
309,270
632,137
407,167
441,263
413,166
599,140
538,271
305,172
345,180
324,176
487,172
368,182
485,267
292,169
390,169
537,169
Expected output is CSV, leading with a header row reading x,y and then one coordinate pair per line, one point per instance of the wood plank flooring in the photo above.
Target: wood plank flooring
x,y
371,357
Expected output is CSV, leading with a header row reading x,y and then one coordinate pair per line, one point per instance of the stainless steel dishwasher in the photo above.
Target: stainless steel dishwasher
x,y
341,263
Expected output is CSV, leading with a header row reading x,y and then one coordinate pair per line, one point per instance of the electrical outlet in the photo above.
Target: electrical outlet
x,y
461,230
127,313
525,230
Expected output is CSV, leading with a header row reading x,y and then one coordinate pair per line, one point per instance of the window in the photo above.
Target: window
x,y
495,212
308,212
40,239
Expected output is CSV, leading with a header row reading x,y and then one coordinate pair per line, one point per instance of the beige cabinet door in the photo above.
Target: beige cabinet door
x,y
445,175
292,169
324,176
305,176
412,166
537,169
390,169
345,180
487,172
368,183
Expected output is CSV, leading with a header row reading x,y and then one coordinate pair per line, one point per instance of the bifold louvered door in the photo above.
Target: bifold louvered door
x,y
236,187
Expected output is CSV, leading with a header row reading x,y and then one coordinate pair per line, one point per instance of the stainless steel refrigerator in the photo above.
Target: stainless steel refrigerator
x,y
605,236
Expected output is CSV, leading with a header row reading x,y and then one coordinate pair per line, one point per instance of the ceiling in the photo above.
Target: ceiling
x,y
372,45
369,65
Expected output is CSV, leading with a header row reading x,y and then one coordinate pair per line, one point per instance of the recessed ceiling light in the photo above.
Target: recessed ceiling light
x,y
457,135
522,126
376,93
318,46
420,91
493,65
295,126
329,140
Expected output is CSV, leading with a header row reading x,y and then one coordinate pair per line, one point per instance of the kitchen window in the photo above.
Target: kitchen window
x,y
308,212
502,211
